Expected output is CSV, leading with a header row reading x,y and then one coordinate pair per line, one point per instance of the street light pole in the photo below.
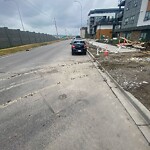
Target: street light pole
x,y
81,10
56,27
18,12
20,16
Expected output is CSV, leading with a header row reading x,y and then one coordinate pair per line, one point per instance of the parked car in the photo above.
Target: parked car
x,y
79,46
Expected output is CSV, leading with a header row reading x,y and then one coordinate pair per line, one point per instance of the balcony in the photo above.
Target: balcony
x,y
117,27
92,21
119,15
106,21
121,3
92,18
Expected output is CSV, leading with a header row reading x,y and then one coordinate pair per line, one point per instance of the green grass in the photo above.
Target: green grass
x,y
11,50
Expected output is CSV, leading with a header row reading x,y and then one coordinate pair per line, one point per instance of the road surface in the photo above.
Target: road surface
x,y
50,100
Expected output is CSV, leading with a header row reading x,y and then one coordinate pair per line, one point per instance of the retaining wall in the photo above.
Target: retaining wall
x,y
11,37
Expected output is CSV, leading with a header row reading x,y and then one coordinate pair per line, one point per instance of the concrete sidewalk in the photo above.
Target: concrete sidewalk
x,y
111,48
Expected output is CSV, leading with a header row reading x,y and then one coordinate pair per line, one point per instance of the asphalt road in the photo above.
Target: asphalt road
x,y
50,100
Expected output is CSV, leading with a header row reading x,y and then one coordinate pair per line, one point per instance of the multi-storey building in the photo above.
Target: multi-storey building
x,y
119,15
102,22
136,20
83,32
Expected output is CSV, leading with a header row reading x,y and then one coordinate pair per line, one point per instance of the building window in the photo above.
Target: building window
x,y
147,16
128,36
143,36
128,6
148,6
132,19
126,21
135,3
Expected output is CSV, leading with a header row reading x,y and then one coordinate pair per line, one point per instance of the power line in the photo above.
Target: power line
x,y
17,5
37,9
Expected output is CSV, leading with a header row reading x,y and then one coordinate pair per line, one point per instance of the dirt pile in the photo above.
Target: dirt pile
x,y
147,46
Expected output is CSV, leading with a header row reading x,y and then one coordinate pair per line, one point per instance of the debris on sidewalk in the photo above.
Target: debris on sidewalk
x,y
125,43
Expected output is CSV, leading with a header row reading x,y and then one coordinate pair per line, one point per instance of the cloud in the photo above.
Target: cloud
x,y
38,15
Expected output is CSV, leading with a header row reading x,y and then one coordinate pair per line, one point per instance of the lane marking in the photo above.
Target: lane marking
x,y
13,86
4,56
25,96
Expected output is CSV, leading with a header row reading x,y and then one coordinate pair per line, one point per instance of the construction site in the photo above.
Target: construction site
x,y
119,40
130,67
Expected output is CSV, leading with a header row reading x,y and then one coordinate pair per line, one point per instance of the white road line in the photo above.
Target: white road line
x,y
13,86
5,56
27,95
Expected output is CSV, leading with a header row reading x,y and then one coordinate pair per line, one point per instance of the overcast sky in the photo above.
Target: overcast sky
x,y
38,15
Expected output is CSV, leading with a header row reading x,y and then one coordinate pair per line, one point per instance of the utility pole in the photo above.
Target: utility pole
x,y
20,16
56,27
65,31
17,5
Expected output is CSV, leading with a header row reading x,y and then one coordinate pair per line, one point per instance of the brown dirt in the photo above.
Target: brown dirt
x,y
131,70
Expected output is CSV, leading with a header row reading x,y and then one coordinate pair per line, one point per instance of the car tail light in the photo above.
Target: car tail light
x,y
73,46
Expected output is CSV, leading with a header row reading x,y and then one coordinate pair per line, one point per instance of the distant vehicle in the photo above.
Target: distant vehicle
x,y
76,38
78,46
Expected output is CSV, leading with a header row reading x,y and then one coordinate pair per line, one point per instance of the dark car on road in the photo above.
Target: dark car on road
x,y
78,46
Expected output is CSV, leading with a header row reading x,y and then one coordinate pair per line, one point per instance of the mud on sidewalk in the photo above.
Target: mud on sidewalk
x,y
131,70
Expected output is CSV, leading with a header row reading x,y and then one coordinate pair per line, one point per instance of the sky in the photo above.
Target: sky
x,y
38,15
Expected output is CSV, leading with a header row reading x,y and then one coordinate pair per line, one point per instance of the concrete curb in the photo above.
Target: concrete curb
x,y
136,104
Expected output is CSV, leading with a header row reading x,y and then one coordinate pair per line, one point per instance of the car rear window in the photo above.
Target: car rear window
x,y
79,42
78,37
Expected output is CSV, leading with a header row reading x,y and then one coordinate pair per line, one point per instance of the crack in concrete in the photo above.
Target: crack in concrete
x,y
46,103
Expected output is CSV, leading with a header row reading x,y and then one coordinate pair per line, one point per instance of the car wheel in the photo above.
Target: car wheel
x,y
84,53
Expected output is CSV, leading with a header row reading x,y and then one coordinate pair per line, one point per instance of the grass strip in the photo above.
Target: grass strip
x,y
11,50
